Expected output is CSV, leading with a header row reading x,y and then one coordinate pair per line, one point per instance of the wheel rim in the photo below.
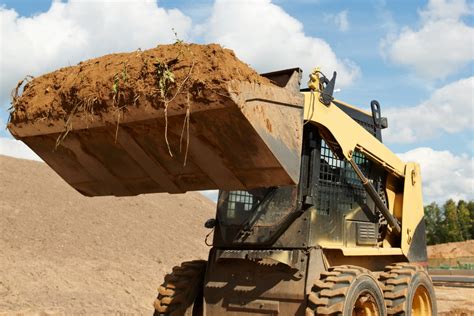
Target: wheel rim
x,y
365,305
421,302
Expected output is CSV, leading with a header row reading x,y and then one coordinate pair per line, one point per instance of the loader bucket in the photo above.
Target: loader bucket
x,y
246,137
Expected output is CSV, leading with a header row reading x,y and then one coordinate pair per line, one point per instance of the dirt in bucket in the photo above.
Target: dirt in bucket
x,y
142,78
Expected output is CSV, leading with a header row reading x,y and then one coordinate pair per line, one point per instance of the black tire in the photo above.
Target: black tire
x,y
404,285
181,292
341,291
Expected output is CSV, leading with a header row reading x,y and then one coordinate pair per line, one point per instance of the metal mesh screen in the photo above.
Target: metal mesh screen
x,y
239,201
339,187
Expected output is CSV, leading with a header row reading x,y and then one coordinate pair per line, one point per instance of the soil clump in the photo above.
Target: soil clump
x,y
113,82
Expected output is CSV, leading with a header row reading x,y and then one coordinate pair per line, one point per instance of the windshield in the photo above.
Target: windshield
x,y
235,207
259,207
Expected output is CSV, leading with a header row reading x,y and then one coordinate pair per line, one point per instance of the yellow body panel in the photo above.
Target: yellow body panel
x,y
412,210
405,203
350,135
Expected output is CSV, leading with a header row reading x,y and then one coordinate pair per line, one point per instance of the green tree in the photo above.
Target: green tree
x,y
464,219
470,207
451,222
434,224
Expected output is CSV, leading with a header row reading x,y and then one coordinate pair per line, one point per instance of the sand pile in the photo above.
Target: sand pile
x,y
65,254
152,78
450,250
61,252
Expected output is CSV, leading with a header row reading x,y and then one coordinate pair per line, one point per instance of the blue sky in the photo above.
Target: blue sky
x,y
392,51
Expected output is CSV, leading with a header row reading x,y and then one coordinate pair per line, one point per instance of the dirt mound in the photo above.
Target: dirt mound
x,y
454,301
64,253
452,250
142,78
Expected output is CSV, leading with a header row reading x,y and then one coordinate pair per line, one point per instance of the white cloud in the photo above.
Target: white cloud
x,y
76,30
340,20
445,10
450,109
260,32
264,35
15,148
444,174
441,46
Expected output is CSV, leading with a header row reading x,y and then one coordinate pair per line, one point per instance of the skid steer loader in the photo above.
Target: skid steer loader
x,y
315,215
348,239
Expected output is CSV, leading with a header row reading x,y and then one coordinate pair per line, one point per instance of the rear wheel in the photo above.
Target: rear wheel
x,y
181,292
408,290
346,291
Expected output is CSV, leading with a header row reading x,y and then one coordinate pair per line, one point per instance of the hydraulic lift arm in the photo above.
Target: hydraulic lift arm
x,y
345,136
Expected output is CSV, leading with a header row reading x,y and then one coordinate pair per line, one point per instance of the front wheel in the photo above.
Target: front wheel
x,y
347,291
181,292
408,290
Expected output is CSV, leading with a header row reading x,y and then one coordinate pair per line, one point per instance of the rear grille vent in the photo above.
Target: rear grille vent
x,y
366,233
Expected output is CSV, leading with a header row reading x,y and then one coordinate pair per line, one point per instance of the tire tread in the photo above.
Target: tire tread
x,y
179,288
397,279
328,294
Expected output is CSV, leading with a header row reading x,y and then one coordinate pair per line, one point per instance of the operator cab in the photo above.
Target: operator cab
x,y
328,189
